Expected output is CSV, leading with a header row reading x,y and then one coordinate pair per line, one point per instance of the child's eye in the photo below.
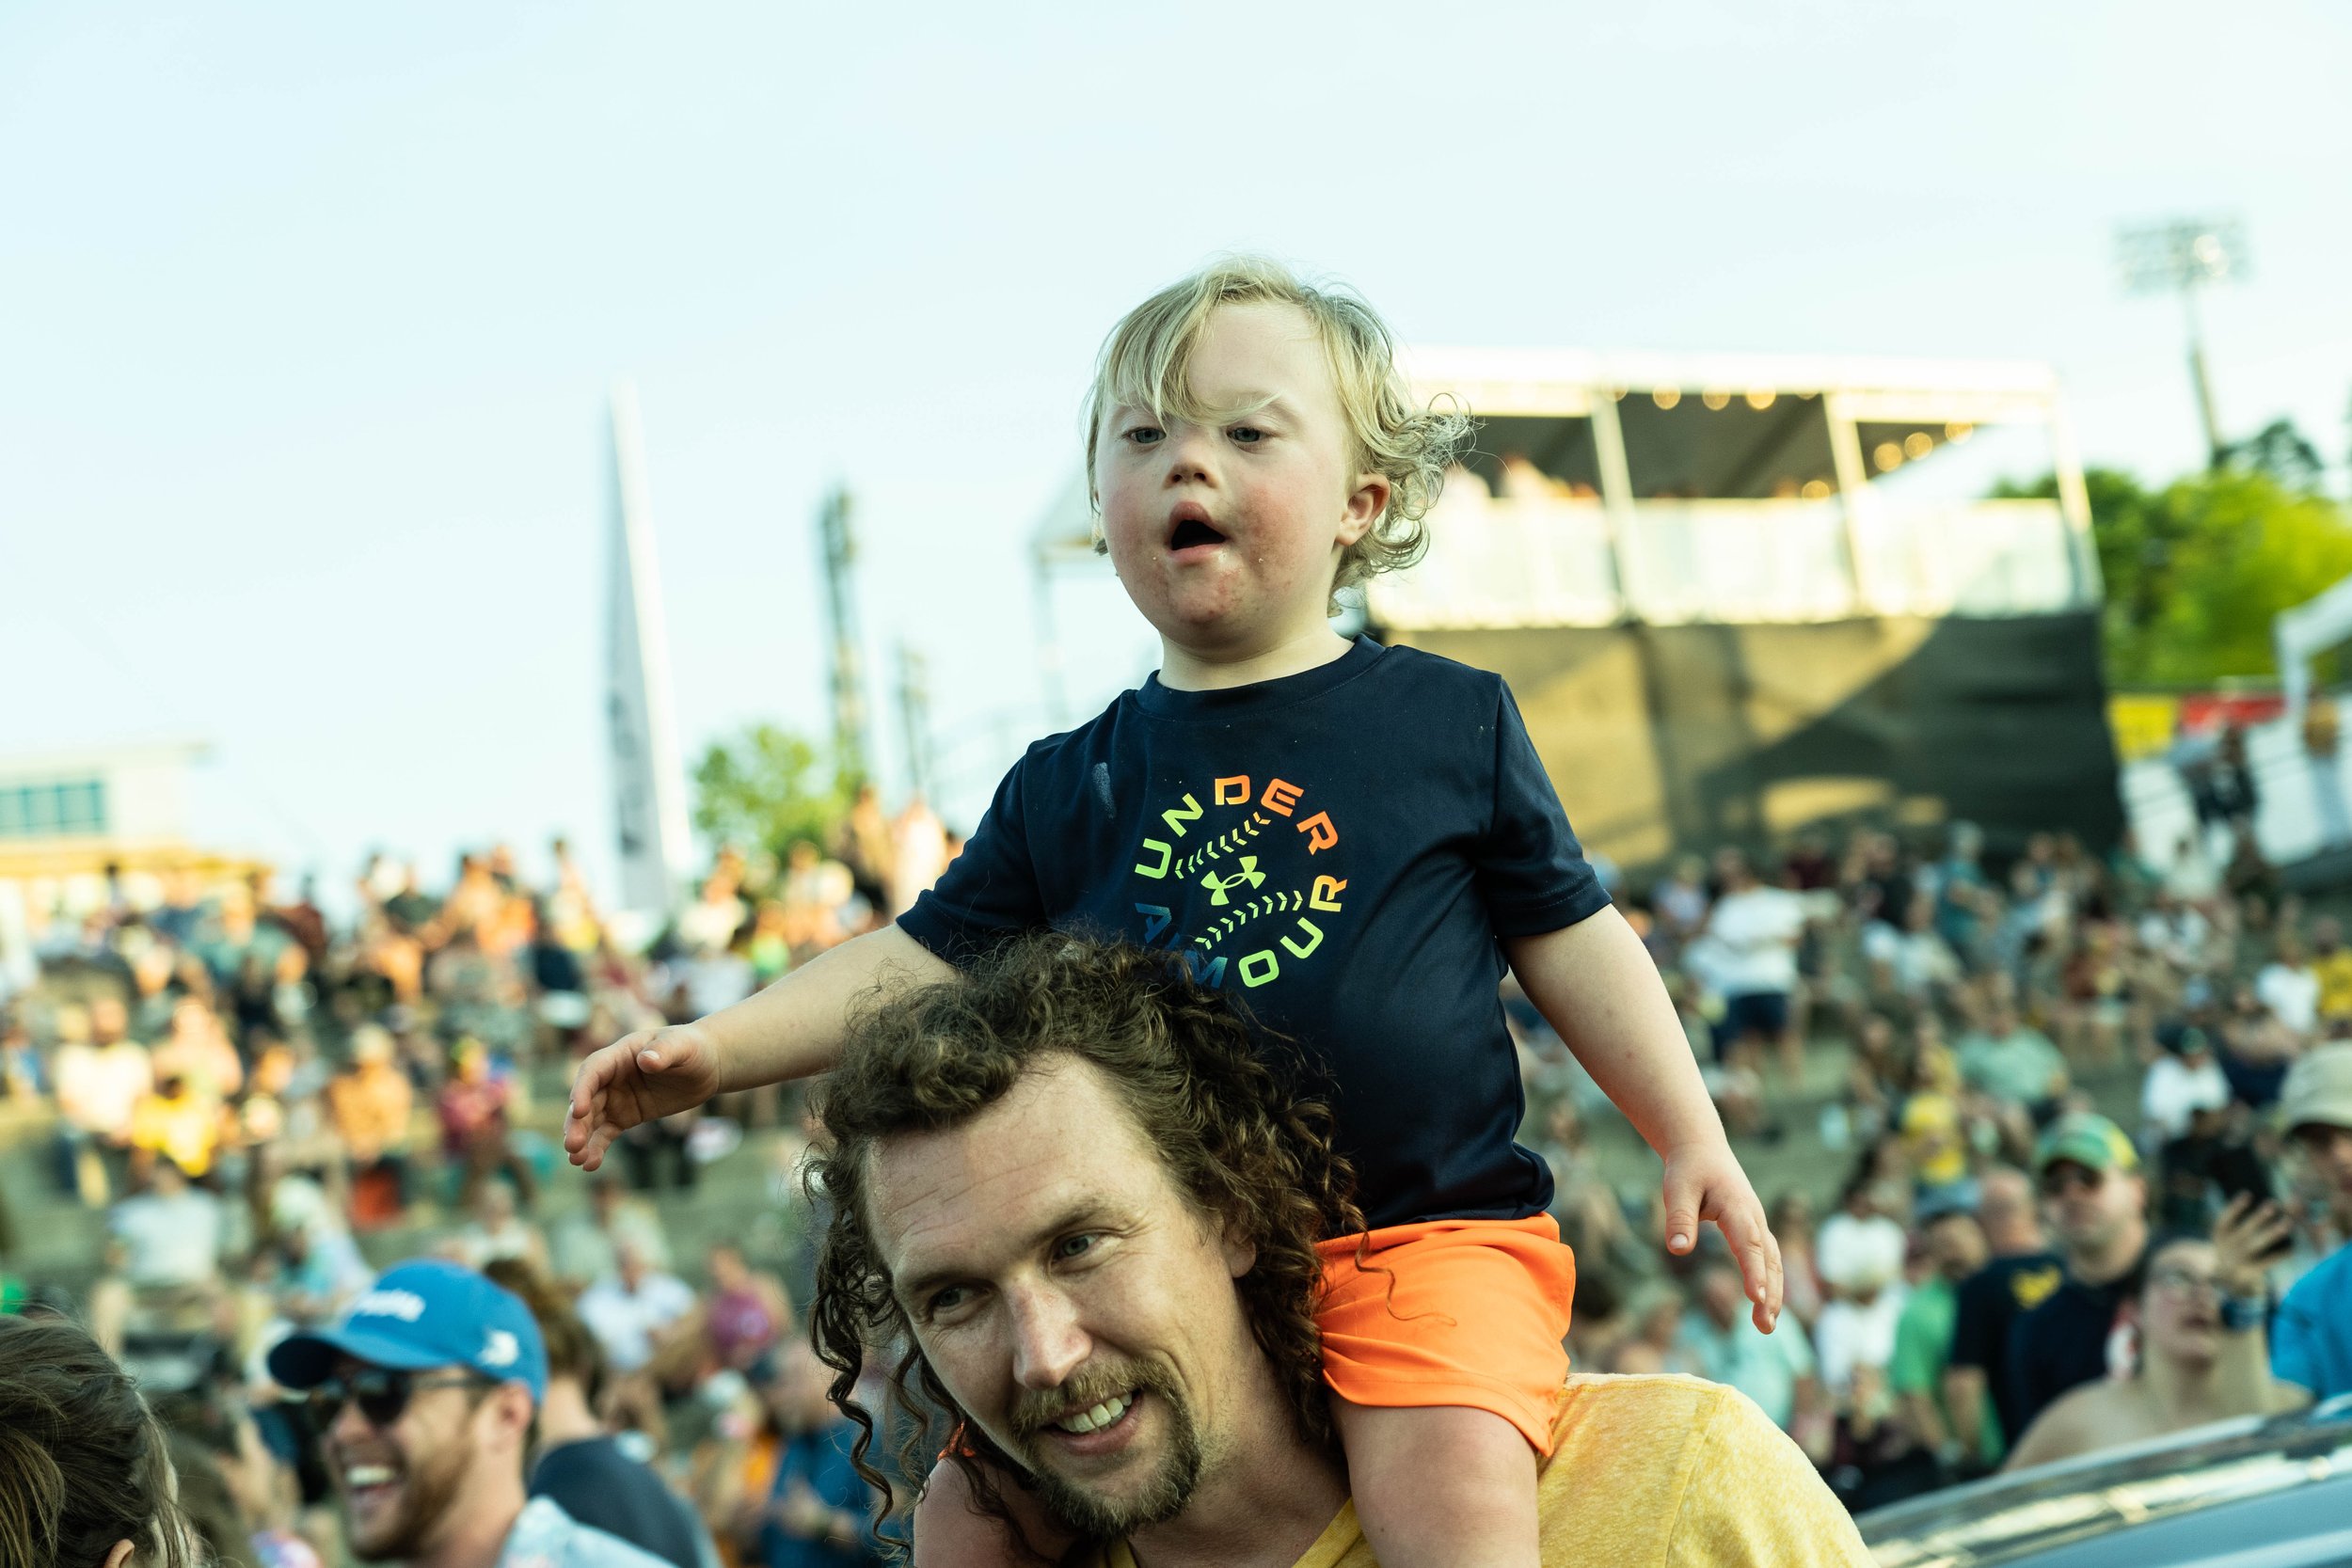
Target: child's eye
x,y
1142,435
1248,436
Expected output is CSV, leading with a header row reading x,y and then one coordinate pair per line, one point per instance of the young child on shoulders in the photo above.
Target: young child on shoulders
x,y
1352,839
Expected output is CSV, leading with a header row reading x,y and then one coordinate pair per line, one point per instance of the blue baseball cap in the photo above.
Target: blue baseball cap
x,y
427,1313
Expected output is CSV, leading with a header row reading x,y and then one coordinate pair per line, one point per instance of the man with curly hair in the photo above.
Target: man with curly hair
x,y
1356,839
1081,1210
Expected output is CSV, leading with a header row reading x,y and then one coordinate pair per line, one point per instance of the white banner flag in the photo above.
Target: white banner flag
x,y
648,784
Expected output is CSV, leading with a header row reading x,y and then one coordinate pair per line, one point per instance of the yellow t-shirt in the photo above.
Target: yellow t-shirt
x,y
1658,1472
2335,983
1931,1135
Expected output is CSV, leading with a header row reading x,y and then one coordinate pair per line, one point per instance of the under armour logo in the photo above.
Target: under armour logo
x,y
1219,886
501,1350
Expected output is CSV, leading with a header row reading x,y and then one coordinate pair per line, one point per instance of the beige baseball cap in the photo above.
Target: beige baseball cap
x,y
2318,1089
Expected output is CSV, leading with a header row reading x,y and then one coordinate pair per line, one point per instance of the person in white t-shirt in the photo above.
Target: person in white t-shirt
x,y
100,1075
1751,933
2185,1080
628,1308
171,1232
2288,987
1860,1257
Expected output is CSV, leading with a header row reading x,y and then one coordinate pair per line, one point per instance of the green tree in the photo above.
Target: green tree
x,y
767,786
2283,452
2196,571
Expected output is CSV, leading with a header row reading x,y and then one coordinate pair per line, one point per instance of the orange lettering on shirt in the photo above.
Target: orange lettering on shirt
x,y
1279,797
1327,894
1320,835
1239,787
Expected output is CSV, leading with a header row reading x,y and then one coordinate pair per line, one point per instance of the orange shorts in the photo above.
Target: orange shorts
x,y
1466,1312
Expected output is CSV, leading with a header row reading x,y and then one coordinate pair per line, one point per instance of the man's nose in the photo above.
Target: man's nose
x,y
1048,1344
349,1429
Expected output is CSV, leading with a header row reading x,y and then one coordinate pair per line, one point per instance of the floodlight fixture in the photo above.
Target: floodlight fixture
x,y
2181,255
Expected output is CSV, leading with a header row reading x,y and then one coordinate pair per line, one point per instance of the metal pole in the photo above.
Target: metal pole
x,y
849,705
2214,450
1870,595
1616,500
914,713
1049,667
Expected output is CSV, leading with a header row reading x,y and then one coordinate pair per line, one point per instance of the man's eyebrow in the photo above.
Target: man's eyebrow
x,y
1077,1214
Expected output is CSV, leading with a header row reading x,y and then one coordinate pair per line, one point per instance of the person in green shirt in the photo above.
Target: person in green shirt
x,y
1923,1343
2011,1061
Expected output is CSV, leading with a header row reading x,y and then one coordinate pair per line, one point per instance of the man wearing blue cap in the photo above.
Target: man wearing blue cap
x,y
423,1394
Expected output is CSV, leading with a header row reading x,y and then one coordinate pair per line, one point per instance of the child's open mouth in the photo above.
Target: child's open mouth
x,y
1190,532
1192,528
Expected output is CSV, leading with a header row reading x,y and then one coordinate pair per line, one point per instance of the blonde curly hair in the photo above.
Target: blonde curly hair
x,y
1146,362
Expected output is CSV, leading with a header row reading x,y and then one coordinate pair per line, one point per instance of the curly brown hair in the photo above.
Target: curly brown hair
x,y
1216,1097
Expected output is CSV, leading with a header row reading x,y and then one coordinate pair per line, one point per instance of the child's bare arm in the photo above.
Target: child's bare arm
x,y
1593,982
790,1030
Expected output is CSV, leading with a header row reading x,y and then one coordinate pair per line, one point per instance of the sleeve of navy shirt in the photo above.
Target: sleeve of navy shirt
x,y
1972,1322
1532,876
991,890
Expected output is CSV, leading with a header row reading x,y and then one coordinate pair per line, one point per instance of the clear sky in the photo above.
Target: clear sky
x,y
307,313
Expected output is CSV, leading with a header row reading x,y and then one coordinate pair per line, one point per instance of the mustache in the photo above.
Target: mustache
x,y
1037,1408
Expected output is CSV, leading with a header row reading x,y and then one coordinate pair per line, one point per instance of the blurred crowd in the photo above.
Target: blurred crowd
x,y
2021,1129
2086,1108
250,1101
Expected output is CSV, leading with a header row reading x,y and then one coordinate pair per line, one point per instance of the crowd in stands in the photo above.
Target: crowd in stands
x,y
2091,1131
2047,1147
250,1103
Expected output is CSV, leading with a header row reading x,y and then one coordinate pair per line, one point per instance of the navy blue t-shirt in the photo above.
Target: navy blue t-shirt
x,y
1340,850
2070,1340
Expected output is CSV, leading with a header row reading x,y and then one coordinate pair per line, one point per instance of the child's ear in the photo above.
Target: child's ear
x,y
1364,505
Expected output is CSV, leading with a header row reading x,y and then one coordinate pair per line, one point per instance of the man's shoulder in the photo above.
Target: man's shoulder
x,y
543,1536
1671,1469
2328,1278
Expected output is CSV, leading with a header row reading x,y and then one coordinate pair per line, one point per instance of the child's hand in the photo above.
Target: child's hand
x,y
1703,1181
654,1072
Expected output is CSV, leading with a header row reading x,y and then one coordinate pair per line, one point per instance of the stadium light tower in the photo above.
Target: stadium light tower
x,y
2183,255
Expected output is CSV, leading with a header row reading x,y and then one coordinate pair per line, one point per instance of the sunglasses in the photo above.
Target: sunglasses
x,y
382,1394
2064,1180
2180,1282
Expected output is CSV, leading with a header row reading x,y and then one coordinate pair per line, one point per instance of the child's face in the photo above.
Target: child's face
x,y
1227,537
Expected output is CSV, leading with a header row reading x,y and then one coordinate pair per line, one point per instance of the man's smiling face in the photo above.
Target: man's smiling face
x,y
1079,1308
400,1481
